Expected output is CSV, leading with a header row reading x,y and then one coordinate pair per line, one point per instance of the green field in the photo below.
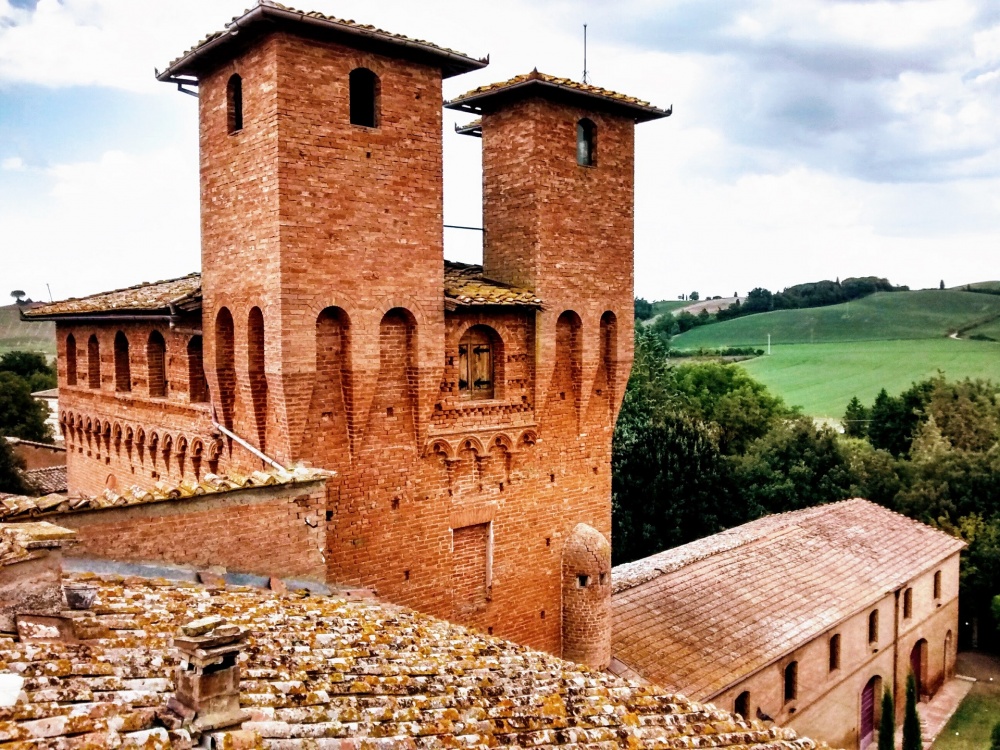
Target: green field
x,y
822,378
669,305
970,727
15,334
882,316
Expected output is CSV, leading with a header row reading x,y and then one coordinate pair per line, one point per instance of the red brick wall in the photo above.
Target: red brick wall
x,y
38,455
267,530
470,556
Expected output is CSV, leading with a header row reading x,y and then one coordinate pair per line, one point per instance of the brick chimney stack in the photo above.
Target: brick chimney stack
x,y
31,571
207,681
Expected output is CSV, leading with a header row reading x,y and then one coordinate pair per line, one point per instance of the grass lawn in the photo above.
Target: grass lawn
x,y
822,378
972,723
884,316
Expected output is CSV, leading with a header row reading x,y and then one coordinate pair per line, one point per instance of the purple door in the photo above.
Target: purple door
x,y
868,713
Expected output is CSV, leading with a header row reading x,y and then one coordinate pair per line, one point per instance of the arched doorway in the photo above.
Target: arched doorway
x,y
869,711
918,665
947,661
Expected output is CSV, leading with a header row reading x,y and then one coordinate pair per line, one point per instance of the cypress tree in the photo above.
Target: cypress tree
x,y
887,724
911,722
995,737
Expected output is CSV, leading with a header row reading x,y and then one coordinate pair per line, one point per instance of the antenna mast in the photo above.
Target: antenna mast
x,y
586,73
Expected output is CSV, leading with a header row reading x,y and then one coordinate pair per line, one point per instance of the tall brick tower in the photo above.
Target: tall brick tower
x,y
321,197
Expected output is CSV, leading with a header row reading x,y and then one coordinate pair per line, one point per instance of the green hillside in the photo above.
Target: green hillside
x,y
822,378
32,337
925,314
668,305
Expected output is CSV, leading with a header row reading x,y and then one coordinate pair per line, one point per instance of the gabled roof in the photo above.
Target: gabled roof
x,y
269,16
700,617
495,95
464,286
47,480
317,670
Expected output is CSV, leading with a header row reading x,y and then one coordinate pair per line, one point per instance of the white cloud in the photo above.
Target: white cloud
x,y
12,164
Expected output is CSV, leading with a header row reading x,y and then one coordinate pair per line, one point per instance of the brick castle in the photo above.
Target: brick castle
x,y
466,411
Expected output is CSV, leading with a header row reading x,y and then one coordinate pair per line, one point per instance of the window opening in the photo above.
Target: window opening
x,y
234,103
907,604
791,681
156,360
583,580
71,363
197,384
835,652
93,362
873,627
586,143
123,373
475,364
742,705
937,576
364,86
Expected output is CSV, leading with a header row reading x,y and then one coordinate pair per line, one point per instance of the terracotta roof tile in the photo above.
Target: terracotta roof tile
x,y
16,507
47,480
536,83
183,293
464,285
268,12
318,669
699,617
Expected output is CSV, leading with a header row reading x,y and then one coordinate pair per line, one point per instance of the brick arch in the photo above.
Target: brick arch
x,y
225,364
197,448
140,437
88,426
502,440
528,438
166,444
256,373
106,430
116,433
129,435
123,364
497,358
472,443
330,423
443,448
182,445
71,370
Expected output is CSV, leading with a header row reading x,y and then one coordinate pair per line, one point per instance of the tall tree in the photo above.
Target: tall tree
x,y
20,414
856,419
887,724
11,467
911,721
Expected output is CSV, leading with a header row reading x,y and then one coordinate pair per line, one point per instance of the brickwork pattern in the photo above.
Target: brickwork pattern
x,y
586,605
276,531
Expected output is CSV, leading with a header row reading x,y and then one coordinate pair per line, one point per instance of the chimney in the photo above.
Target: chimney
x,y
207,681
31,571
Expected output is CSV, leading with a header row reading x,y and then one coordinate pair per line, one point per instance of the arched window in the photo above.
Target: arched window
x,y
156,362
123,370
873,627
71,361
937,575
907,604
586,143
476,358
742,705
256,371
835,652
225,364
234,103
197,385
364,85
791,681
93,362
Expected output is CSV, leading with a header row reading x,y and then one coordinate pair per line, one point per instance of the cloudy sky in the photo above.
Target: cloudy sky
x,y
810,138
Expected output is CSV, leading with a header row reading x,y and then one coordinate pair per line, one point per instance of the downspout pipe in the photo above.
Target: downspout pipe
x,y
243,443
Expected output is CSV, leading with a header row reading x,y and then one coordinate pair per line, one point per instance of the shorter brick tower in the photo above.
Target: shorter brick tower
x,y
586,588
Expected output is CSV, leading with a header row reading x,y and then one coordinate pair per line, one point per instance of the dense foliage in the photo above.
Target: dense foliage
x,y
11,480
700,447
30,367
814,294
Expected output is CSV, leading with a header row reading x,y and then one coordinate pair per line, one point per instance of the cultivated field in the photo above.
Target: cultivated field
x,y
882,316
18,335
822,378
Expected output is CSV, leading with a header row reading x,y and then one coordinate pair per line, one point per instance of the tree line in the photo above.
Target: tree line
x,y
21,415
701,447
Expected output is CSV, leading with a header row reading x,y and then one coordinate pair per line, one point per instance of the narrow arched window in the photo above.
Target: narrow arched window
x,y
937,575
123,369
907,604
156,361
791,681
742,705
93,362
475,364
835,652
234,103
197,385
873,627
71,362
586,143
364,85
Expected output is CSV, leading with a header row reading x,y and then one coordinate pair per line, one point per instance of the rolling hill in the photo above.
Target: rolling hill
x,y
15,334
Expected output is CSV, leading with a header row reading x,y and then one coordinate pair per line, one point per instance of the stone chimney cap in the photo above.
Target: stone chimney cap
x,y
208,641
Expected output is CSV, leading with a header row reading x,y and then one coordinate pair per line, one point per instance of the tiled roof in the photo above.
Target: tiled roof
x,y
47,480
699,617
183,293
267,13
319,671
16,508
484,98
47,393
463,285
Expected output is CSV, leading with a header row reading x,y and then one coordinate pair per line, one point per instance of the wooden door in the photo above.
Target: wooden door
x,y
868,713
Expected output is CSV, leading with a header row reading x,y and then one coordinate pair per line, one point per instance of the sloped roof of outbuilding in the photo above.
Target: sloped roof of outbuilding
x,y
267,15
702,616
464,286
317,671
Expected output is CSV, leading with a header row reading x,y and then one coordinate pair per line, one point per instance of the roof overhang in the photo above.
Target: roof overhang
x,y
268,17
491,99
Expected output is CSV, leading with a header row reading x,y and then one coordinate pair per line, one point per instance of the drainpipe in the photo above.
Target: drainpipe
x,y
895,651
236,438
